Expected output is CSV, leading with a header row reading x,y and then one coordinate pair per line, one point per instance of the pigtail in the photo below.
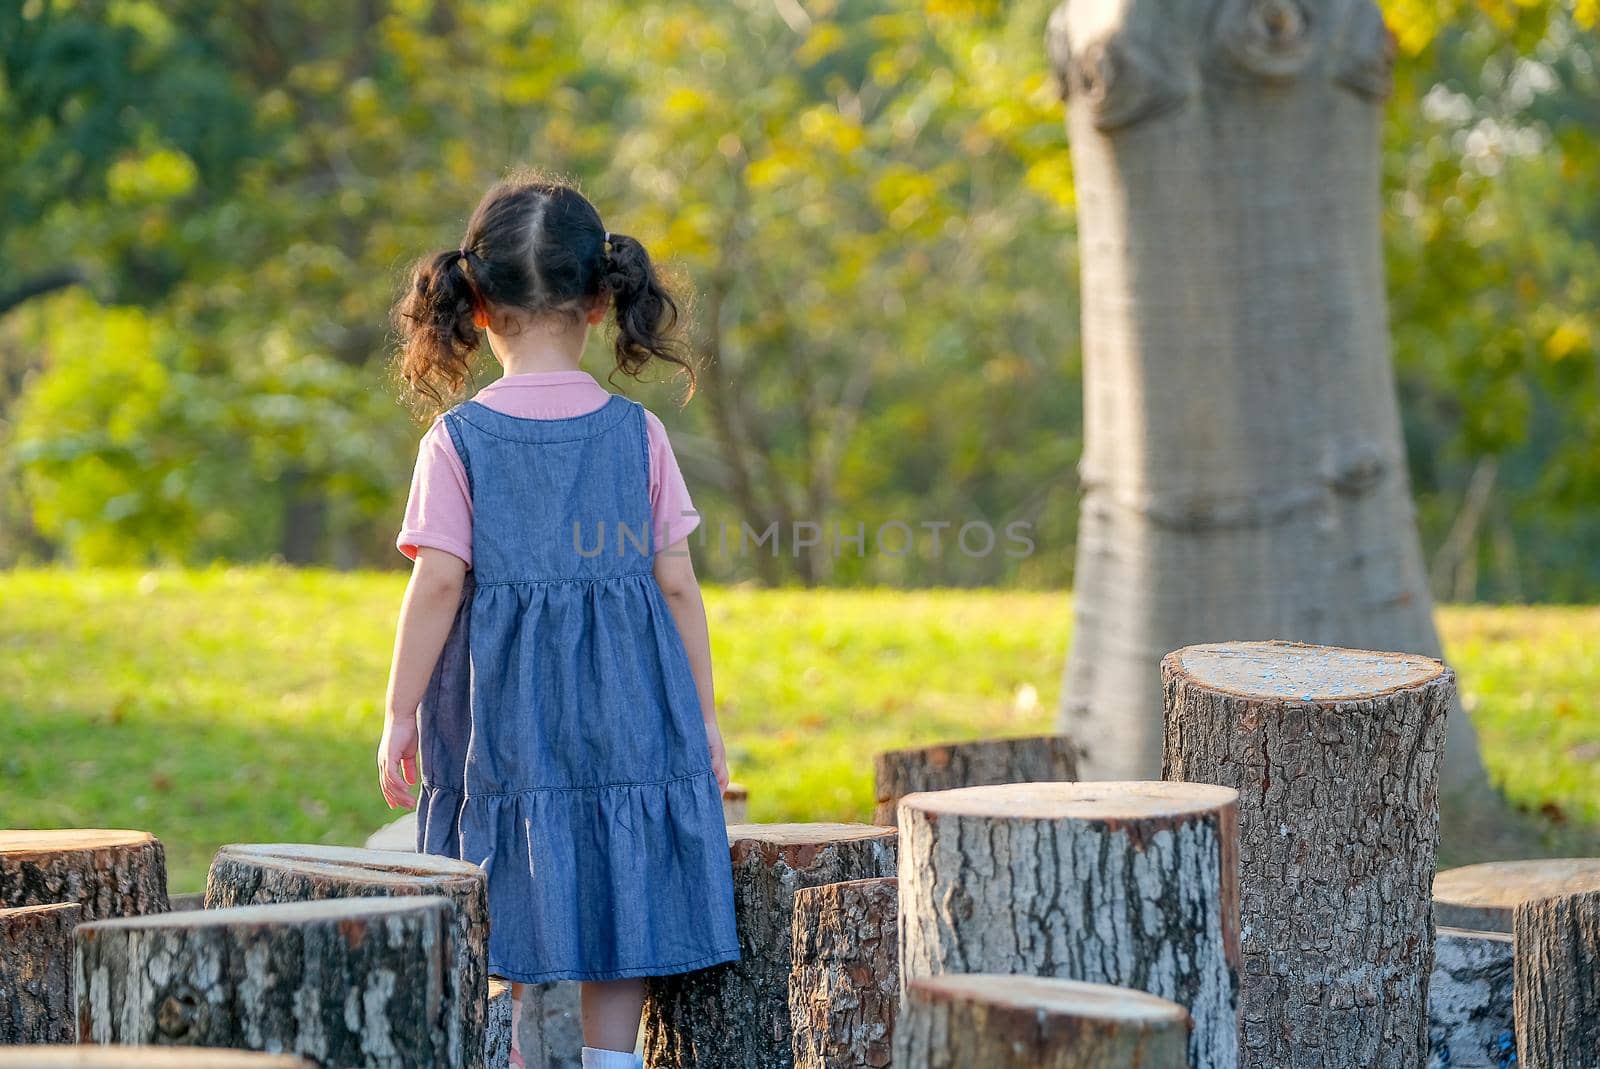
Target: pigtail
x,y
647,314
435,322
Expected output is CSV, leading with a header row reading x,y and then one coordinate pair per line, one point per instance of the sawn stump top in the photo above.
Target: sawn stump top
x,y
18,842
1101,800
1297,672
1052,997
317,857
1483,896
307,912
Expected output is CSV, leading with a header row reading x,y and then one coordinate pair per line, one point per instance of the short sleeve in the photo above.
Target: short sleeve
x,y
439,508
672,514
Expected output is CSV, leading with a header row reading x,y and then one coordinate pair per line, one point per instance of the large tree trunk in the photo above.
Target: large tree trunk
x,y
36,973
1335,757
844,987
976,763
245,874
1000,1021
736,1015
109,872
345,982
1244,474
1132,884
1557,981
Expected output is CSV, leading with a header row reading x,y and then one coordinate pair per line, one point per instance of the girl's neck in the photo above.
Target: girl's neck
x,y
540,347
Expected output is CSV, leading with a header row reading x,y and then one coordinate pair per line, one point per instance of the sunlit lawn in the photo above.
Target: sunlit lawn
x,y
244,704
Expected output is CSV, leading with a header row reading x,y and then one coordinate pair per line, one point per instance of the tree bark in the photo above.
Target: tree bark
x,y
497,1026
1557,978
118,1057
36,973
844,987
1482,897
1470,1022
244,874
1029,759
1335,756
353,982
997,1021
736,1015
109,872
1131,884
1244,474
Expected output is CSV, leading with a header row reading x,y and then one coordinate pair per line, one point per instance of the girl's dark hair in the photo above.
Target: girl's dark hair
x,y
537,244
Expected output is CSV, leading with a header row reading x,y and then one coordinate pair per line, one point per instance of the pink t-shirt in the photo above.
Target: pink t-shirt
x,y
439,510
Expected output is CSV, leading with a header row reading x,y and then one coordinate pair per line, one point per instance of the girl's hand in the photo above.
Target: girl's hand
x,y
719,756
397,761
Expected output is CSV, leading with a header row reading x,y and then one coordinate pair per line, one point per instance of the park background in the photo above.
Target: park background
x,y
206,210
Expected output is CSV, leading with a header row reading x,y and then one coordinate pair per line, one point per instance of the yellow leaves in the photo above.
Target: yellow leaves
x,y
684,103
1587,13
157,175
824,127
1052,179
824,39
904,195
1571,336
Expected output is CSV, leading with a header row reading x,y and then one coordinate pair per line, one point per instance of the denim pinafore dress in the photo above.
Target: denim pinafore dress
x,y
561,737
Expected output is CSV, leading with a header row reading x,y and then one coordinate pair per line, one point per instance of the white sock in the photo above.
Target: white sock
x,y
600,1058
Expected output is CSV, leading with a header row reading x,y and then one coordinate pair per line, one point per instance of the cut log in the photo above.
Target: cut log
x,y
735,804
552,1024
1557,1001
736,1015
996,1021
1131,884
1469,1001
1335,754
1029,759
36,973
844,986
345,982
497,1025
1481,897
110,872
186,900
115,1057
259,873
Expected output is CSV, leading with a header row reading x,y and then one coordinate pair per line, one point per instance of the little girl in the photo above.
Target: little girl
x,y
551,667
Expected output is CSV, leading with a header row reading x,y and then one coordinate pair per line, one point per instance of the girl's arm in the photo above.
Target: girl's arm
x,y
675,573
432,597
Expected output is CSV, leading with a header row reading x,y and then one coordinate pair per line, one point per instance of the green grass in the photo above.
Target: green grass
x,y
237,705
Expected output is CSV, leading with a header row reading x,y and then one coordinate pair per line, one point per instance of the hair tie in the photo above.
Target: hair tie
x,y
608,237
462,253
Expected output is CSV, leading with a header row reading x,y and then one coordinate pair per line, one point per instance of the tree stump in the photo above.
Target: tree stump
x,y
995,1021
36,973
497,1025
736,1015
1469,1001
345,982
260,873
1557,978
736,804
115,1057
1481,897
1131,884
1028,759
109,872
844,986
1335,754
186,900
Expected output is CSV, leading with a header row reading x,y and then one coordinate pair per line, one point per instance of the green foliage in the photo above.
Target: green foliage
x,y
244,704
871,202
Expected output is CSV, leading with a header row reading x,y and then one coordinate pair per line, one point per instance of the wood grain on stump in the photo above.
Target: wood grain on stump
x,y
996,1021
346,982
736,1015
844,986
1469,1001
1028,759
36,973
1335,754
110,872
1131,884
1481,897
1557,980
259,873
118,1057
